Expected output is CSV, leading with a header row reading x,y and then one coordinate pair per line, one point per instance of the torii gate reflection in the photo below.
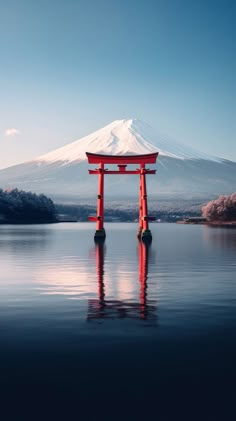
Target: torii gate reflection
x,y
121,161
101,308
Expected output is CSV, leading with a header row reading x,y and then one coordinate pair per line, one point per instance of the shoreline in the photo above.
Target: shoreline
x,y
231,224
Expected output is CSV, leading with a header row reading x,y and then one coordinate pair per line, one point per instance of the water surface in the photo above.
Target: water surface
x,y
120,330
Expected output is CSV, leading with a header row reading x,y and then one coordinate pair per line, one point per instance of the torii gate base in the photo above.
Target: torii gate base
x,y
121,161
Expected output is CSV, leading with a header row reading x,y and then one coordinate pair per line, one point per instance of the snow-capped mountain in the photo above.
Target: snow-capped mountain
x,y
123,137
181,169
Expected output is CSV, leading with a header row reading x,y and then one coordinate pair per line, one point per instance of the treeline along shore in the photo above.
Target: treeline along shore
x,y
20,207
220,212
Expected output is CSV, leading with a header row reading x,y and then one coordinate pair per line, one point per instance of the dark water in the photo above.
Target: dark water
x,y
121,331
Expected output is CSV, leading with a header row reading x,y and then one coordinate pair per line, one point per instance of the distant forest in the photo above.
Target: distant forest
x,y
81,213
18,206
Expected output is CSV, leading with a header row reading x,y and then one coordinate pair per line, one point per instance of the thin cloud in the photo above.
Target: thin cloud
x,y
12,132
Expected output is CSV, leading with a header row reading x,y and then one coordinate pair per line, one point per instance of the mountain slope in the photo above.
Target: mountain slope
x,y
181,170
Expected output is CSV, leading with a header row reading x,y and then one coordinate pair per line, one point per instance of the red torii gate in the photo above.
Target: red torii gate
x,y
121,161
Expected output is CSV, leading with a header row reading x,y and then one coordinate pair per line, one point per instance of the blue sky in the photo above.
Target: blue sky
x,y
70,67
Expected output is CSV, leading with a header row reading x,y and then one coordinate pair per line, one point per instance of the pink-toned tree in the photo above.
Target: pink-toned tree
x,y
221,209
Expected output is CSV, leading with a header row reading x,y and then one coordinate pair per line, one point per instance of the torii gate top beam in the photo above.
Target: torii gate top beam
x,y
94,158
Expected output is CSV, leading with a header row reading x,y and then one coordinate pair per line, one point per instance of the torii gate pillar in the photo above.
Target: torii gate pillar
x,y
144,231
122,160
100,231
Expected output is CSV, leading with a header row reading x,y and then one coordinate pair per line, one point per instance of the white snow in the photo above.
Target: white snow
x,y
123,137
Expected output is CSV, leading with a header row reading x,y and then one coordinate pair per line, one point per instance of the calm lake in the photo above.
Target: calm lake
x,y
120,331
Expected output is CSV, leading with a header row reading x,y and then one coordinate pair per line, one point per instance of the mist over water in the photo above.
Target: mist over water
x,y
138,330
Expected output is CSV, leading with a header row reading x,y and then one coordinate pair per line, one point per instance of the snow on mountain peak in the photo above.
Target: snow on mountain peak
x,y
123,137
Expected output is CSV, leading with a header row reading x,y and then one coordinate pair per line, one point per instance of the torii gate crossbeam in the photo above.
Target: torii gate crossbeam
x,y
122,161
